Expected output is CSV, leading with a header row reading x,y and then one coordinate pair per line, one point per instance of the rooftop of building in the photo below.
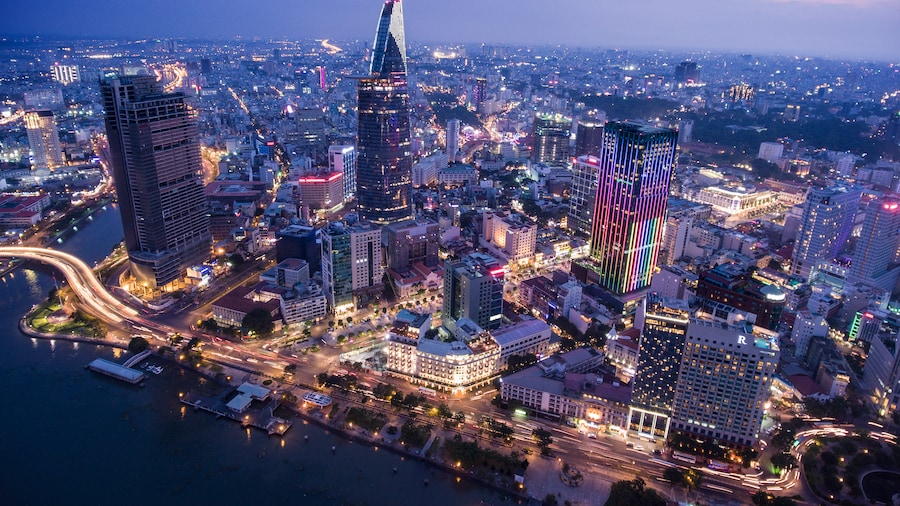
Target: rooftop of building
x,y
292,264
517,331
603,386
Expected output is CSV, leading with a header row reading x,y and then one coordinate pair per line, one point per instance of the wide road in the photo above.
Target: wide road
x,y
97,301
90,291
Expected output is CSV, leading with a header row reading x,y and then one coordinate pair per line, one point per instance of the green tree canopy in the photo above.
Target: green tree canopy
x,y
258,321
633,493
138,344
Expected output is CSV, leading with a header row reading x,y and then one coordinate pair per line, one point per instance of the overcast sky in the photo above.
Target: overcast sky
x,y
840,28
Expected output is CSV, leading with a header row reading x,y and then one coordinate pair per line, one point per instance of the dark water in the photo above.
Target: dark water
x,y
70,436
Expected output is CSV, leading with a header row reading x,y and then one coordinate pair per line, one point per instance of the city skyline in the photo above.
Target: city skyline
x,y
797,27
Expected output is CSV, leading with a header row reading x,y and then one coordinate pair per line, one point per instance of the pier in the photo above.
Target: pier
x,y
116,371
260,417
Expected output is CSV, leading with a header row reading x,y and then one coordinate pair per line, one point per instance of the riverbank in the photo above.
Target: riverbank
x,y
381,443
348,434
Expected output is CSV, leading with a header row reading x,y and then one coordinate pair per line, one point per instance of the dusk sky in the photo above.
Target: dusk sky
x,y
840,28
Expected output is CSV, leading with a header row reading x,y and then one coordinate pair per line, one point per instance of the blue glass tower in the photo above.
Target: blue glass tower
x,y
384,160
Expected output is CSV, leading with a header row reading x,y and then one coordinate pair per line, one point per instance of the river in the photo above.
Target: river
x,y
72,436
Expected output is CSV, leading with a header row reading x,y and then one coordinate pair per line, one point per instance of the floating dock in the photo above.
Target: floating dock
x,y
263,418
117,371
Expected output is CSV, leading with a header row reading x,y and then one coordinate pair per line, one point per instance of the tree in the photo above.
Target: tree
x,y
138,344
236,259
784,461
210,325
633,493
673,475
543,437
762,498
444,411
259,322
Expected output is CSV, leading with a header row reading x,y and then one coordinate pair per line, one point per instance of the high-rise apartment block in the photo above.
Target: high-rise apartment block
x,y
551,139
155,158
874,259
310,136
452,141
479,93
43,139
342,158
588,138
473,289
726,373
514,236
583,194
824,227
634,171
65,74
322,192
409,242
351,264
663,323
384,175
687,72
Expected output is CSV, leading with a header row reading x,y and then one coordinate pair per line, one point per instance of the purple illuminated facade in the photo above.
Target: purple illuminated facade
x,y
634,170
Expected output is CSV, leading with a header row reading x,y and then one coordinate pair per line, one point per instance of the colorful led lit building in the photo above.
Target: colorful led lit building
x,y
384,175
634,170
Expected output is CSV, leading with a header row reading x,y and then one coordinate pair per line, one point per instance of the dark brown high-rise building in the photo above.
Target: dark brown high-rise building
x,y
155,157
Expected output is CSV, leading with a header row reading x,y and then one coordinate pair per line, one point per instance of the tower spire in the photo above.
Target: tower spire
x,y
389,48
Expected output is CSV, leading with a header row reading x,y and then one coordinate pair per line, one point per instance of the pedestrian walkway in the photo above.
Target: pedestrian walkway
x,y
542,479
429,442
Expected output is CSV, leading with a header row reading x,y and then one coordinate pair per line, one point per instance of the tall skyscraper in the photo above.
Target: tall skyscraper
x,y
452,139
588,138
384,175
663,323
473,289
43,139
310,136
687,72
726,373
874,257
584,192
155,157
635,168
479,93
343,159
824,227
351,264
551,139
